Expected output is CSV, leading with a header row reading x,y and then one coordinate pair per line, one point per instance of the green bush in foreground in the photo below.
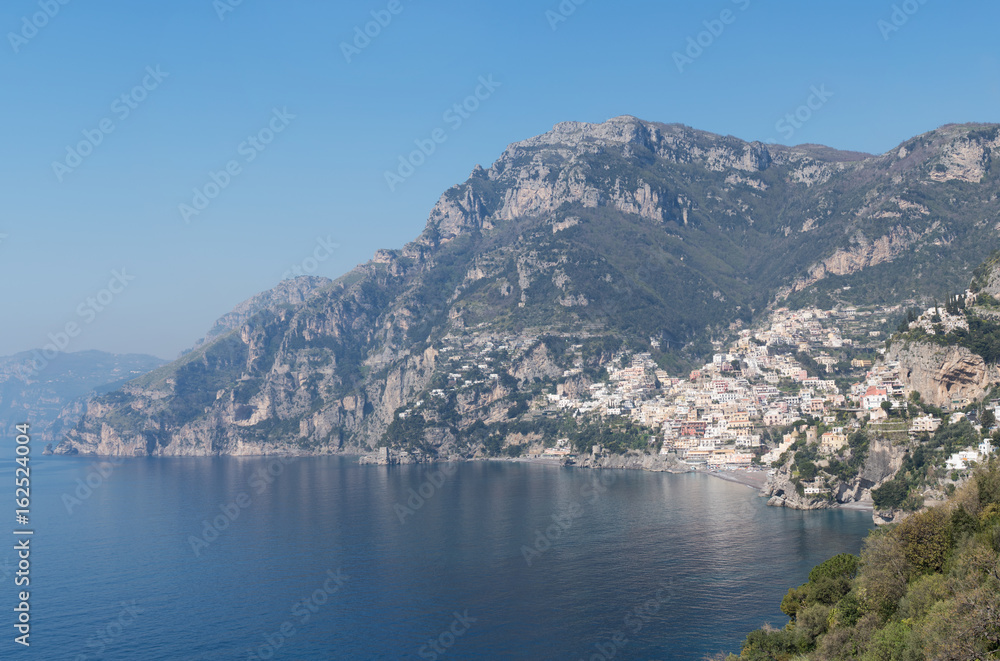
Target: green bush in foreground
x,y
925,589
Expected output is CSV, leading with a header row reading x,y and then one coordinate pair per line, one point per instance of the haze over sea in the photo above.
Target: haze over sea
x,y
324,562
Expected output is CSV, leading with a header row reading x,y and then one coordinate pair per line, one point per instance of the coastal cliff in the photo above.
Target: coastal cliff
x,y
943,374
882,461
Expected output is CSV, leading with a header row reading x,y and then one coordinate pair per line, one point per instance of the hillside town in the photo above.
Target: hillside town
x,y
810,374
715,415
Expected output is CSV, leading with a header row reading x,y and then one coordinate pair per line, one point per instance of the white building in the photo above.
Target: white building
x,y
961,460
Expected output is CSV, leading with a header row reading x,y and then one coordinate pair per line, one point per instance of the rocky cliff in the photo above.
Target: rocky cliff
x,y
883,460
52,395
943,374
294,291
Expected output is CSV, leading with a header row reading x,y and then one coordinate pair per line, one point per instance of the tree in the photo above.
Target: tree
x,y
884,573
891,495
769,645
831,581
926,539
988,419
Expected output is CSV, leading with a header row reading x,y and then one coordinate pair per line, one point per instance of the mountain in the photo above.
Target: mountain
x,y
533,273
944,359
289,292
53,399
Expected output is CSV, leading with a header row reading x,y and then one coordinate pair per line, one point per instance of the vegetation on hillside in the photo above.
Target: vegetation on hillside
x,y
927,588
982,338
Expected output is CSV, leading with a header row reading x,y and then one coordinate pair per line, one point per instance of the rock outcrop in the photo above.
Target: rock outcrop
x,y
942,374
289,292
882,463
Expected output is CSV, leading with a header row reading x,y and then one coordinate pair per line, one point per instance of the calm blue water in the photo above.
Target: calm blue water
x,y
641,566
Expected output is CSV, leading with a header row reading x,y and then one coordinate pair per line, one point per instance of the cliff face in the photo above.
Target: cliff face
x,y
290,292
882,463
942,374
590,236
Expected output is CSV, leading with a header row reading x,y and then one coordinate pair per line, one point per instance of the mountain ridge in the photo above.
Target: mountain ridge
x,y
657,236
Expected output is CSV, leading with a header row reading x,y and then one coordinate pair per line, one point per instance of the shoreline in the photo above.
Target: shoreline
x,y
860,506
758,480
754,479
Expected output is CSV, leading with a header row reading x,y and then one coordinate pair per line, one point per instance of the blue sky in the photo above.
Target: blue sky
x,y
223,71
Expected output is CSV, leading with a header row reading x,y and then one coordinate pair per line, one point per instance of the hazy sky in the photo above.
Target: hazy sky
x,y
163,94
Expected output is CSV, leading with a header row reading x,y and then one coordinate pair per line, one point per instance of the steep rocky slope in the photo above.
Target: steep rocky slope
x,y
883,459
657,236
961,365
942,374
289,292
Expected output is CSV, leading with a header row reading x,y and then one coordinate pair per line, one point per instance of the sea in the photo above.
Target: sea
x,y
144,559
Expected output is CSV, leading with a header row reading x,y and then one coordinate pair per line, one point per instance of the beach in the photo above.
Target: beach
x,y
753,479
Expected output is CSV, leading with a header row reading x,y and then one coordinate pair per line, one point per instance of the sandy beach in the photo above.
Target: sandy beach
x,y
862,506
753,479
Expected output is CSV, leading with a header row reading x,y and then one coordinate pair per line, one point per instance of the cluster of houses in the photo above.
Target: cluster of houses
x,y
811,328
938,319
713,416
710,417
